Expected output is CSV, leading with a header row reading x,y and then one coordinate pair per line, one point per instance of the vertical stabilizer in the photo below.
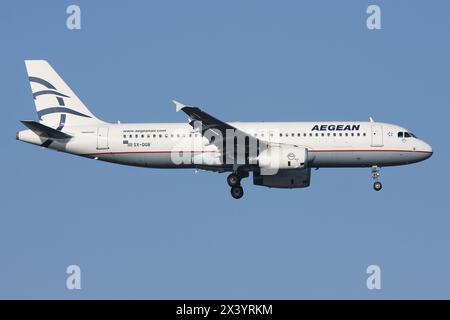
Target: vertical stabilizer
x,y
56,104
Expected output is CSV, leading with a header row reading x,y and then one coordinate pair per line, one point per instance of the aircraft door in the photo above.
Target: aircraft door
x,y
102,138
377,135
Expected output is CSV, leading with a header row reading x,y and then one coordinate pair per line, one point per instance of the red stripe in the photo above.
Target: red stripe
x,y
144,152
193,151
396,151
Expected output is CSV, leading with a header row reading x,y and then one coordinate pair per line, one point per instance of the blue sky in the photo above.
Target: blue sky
x,y
161,234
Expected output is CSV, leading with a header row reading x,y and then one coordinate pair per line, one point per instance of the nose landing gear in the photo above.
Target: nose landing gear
x,y
377,186
234,181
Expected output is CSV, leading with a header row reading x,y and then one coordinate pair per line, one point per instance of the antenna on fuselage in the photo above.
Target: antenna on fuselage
x,y
370,119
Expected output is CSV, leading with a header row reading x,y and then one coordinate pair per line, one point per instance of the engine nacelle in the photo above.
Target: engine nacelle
x,y
284,179
280,157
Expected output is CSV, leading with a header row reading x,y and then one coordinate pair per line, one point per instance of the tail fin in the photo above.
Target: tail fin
x,y
56,104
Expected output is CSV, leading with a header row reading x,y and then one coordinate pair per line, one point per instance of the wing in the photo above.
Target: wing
x,y
223,134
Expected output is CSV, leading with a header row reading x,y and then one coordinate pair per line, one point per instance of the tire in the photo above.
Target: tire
x,y
377,186
237,192
233,180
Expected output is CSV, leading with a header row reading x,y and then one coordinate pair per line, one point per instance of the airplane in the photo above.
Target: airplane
x,y
278,154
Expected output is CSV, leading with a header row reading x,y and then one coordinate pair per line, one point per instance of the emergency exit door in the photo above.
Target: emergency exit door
x,y
377,135
102,138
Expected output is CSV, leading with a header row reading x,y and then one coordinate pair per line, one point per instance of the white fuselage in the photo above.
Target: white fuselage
x,y
160,145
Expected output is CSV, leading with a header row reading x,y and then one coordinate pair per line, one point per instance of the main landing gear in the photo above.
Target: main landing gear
x,y
377,186
234,181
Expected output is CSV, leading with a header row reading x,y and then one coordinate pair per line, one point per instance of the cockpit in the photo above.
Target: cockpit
x,y
403,134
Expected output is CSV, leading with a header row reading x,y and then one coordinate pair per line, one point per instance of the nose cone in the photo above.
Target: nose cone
x,y
427,150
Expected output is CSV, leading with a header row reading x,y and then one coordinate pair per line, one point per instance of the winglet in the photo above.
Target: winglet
x,y
179,106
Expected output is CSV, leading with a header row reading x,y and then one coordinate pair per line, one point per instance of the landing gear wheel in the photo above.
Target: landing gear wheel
x,y
233,180
237,192
375,176
377,186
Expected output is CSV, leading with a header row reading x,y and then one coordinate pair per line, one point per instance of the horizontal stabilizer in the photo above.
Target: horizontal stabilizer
x,y
44,131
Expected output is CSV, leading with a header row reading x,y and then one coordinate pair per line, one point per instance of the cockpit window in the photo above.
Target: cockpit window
x,y
406,135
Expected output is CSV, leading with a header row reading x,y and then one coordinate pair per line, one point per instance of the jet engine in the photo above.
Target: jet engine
x,y
280,157
284,179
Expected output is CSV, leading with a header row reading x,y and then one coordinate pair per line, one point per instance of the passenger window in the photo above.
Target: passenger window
x,y
310,134
160,135
328,134
281,134
334,134
124,135
353,134
142,135
400,134
137,136
364,134
340,134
